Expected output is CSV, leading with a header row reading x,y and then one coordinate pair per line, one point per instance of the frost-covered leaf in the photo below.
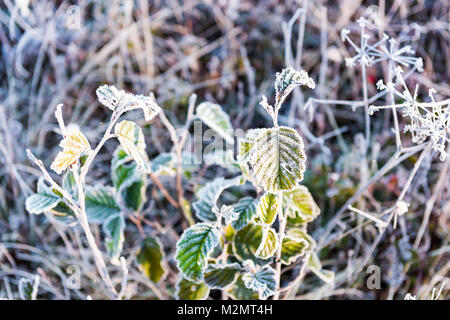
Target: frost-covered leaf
x,y
268,207
100,203
69,184
151,259
262,281
44,200
287,80
209,194
268,244
246,242
215,118
163,164
222,158
28,288
293,248
134,196
314,264
219,276
301,206
246,144
246,207
194,247
123,170
226,212
188,290
132,140
64,215
114,228
238,291
277,159
73,144
299,233
113,98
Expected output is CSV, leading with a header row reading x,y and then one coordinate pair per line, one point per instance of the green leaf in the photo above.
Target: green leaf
x,y
246,207
215,118
151,258
188,290
293,248
246,242
278,159
209,194
262,281
100,203
63,214
301,207
219,276
132,141
114,228
193,249
314,264
268,207
268,244
134,196
238,291
123,171
69,184
44,200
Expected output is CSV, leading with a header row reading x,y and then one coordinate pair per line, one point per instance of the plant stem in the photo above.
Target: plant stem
x,y
282,228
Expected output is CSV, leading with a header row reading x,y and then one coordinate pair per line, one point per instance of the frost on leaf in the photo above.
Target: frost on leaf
x,y
268,207
44,200
287,80
246,208
188,290
247,241
209,194
100,203
215,118
219,276
300,205
113,98
74,144
268,244
151,259
132,140
194,248
226,212
238,291
277,159
114,228
293,248
262,281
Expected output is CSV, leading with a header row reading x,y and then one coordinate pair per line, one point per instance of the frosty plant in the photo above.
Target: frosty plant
x,y
240,247
73,202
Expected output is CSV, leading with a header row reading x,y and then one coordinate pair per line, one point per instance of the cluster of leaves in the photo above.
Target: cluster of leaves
x,y
233,247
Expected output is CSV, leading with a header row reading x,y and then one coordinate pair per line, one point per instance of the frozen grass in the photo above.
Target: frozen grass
x,y
362,169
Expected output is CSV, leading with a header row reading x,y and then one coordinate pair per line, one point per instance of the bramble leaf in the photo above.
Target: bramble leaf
x,y
100,203
246,242
151,258
215,118
209,194
219,276
193,249
268,244
246,207
277,159
44,200
262,281
314,264
268,207
301,206
132,140
114,228
188,290
238,291
293,248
